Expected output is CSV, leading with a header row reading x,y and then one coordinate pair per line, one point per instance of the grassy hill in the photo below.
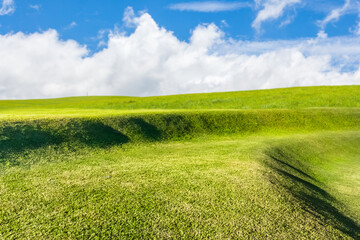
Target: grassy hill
x,y
269,164
300,97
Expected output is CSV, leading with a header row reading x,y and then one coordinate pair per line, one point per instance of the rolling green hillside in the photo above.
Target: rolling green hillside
x,y
269,164
301,97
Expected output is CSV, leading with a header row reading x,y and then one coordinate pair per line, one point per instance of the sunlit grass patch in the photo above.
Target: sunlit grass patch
x,y
102,167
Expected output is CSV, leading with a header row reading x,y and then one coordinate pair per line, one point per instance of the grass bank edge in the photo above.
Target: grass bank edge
x,y
180,125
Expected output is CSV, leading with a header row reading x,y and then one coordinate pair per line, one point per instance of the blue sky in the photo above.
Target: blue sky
x,y
231,34
82,20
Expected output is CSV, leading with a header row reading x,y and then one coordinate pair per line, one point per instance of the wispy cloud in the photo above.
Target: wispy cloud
x,y
8,7
335,14
71,25
270,10
35,6
210,6
356,29
287,21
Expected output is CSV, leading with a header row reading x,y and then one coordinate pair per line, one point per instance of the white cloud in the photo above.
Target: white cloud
x,y
36,7
152,61
71,25
322,34
270,10
335,14
287,21
357,29
129,17
209,6
8,7
343,52
224,23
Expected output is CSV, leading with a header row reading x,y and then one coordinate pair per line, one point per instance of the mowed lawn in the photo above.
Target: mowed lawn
x,y
88,171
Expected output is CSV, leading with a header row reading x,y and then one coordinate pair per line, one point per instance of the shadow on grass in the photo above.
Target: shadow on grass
x,y
281,162
147,130
16,140
94,134
303,187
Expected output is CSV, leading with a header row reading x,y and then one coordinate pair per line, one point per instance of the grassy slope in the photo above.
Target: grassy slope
x,y
75,174
205,188
321,171
302,97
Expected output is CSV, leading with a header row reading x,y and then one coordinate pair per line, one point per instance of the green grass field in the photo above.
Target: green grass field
x,y
269,164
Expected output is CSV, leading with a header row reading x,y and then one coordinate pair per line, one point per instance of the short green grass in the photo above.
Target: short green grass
x,y
301,97
271,164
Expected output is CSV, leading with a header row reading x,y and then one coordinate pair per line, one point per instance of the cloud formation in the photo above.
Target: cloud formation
x,y
152,61
270,10
35,7
210,6
335,14
8,7
71,25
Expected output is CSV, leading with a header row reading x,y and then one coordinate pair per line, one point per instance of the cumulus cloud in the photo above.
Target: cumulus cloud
x,y
152,61
270,10
335,14
8,7
210,6
343,52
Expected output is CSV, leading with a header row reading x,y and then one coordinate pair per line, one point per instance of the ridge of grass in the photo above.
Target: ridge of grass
x,y
18,136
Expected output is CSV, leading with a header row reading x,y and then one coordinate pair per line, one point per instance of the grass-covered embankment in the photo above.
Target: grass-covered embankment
x,y
20,136
79,172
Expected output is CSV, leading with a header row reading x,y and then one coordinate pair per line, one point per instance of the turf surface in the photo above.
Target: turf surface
x,y
187,166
